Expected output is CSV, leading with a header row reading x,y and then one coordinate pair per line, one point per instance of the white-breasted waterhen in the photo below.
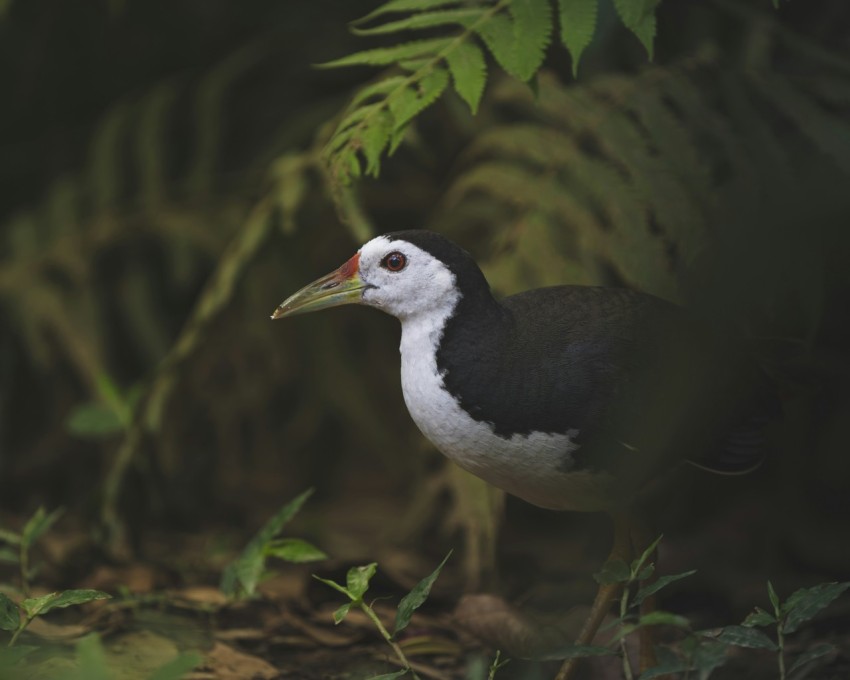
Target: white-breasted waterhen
x,y
570,397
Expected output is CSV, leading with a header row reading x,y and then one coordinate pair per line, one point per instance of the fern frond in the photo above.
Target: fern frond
x,y
411,100
532,27
469,73
383,56
517,34
577,19
462,17
399,6
639,17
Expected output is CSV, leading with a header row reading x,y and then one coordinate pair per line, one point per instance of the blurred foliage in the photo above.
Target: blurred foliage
x,y
163,198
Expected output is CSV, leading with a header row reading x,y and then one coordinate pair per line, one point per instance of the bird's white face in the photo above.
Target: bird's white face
x,y
391,274
404,280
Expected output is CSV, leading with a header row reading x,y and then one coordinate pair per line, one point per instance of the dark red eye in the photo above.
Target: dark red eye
x,y
395,261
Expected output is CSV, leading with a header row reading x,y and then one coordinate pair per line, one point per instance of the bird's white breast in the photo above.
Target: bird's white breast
x,y
528,466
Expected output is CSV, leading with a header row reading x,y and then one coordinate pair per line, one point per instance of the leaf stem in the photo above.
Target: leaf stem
x,y
624,608
21,626
780,649
386,635
24,562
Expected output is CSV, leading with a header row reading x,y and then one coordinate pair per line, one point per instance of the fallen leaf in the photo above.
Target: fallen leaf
x,y
227,663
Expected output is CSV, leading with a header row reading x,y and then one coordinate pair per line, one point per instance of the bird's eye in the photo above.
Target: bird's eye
x,y
395,261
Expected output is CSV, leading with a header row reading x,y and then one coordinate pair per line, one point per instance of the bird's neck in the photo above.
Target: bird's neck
x,y
462,315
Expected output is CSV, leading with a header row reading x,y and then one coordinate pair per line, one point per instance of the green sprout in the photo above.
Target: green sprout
x,y
357,583
786,618
241,577
16,616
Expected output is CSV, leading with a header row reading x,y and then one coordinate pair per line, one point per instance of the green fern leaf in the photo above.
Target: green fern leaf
x,y
532,28
411,101
498,34
396,138
639,18
355,117
464,17
374,139
378,89
578,23
469,72
399,6
382,56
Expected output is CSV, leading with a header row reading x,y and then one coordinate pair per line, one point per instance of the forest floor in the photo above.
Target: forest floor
x,y
169,603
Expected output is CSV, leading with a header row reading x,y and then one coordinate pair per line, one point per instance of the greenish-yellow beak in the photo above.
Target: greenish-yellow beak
x,y
340,287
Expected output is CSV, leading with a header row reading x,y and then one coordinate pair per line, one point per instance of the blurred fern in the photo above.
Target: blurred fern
x,y
631,180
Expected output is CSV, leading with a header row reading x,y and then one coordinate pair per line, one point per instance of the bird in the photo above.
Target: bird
x,y
569,397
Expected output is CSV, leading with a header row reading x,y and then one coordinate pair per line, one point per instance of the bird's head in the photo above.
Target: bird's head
x,y
404,274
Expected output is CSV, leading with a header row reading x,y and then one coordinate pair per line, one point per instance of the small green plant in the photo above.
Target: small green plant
x,y
357,583
111,412
18,545
497,664
786,618
16,616
630,576
241,577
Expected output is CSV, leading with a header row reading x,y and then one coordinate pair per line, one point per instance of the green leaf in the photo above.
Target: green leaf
x,y
383,56
416,597
806,603
374,138
10,617
295,550
335,586
469,72
10,537
94,420
342,612
639,17
410,102
242,575
10,656
397,138
578,24
638,562
498,34
662,581
662,618
759,618
38,606
656,618
810,655
9,556
38,524
399,6
358,579
532,30
774,600
177,667
613,571
744,636
91,660
463,17
378,89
